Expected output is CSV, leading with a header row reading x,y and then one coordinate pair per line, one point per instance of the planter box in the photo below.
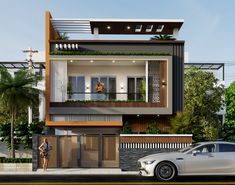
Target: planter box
x,y
104,104
15,167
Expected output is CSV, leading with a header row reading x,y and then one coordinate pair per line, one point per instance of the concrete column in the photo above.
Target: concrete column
x,y
147,81
41,106
30,115
35,152
96,33
176,33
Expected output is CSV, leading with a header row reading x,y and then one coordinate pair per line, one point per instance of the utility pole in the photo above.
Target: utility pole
x,y
29,59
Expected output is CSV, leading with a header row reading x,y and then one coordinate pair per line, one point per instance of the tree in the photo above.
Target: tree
x,y
230,104
180,124
24,132
228,129
5,134
16,93
162,37
203,98
228,132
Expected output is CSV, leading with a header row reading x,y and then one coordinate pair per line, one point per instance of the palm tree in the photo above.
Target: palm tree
x,y
16,93
162,37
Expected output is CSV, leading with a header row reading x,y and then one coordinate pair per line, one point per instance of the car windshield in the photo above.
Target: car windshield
x,y
188,148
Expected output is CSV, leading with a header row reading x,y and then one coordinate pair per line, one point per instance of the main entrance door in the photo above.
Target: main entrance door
x,y
90,151
69,151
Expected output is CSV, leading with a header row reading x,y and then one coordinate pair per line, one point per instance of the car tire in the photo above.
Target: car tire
x,y
165,171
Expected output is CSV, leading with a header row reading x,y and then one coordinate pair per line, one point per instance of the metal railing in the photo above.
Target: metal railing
x,y
148,141
106,96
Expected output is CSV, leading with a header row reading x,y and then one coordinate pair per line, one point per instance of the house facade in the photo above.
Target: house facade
x,y
96,87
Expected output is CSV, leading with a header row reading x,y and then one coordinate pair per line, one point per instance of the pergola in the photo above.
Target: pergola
x,y
206,66
23,65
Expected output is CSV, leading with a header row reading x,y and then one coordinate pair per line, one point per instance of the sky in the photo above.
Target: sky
x,y
208,29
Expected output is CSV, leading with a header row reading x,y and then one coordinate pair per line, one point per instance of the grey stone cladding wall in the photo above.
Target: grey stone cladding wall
x,y
130,156
35,152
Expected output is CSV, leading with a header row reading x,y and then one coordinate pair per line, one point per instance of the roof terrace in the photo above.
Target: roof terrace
x,y
97,27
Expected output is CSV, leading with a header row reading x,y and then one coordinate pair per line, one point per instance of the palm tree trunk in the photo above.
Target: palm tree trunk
x,y
12,135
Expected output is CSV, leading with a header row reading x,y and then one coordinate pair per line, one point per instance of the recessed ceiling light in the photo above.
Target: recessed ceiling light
x,y
71,61
91,61
108,27
128,27
133,61
113,61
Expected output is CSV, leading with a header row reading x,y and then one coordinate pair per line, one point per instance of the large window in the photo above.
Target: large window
x,y
76,87
109,92
136,88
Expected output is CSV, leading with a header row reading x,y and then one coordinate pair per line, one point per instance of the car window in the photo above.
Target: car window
x,y
226,148
206,148
182,150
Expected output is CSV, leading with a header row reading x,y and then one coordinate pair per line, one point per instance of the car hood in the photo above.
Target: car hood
x,y
162,155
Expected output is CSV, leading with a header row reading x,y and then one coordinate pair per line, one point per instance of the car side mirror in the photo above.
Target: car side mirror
x,y
195,152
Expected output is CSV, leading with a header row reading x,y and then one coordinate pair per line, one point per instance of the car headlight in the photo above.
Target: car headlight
x,y
148,162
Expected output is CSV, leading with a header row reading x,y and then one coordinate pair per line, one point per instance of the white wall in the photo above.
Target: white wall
x,y
58,81
120,72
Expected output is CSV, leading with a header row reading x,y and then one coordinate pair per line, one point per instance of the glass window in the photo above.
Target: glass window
x,y
109,92
76,87
188,148
226,148
136,88
206,148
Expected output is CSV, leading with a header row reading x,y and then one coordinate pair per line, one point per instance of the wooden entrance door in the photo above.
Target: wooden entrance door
x,y
89,150
69,150
110,151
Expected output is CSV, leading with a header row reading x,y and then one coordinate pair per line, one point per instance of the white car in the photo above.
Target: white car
x,y
205,158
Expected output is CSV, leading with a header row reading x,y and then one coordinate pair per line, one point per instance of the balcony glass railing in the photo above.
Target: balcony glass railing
x,y
116,96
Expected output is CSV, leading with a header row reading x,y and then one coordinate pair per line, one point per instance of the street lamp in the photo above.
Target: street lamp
x,y
30,60
30,52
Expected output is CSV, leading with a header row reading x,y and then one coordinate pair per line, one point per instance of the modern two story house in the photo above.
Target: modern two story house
x,y
95,87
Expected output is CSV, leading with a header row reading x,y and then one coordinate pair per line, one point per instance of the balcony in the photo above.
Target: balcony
x,y
129,81
105,96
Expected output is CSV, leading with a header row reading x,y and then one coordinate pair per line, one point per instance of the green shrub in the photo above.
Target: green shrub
x,y
106,53
15,160
126,129
153,129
